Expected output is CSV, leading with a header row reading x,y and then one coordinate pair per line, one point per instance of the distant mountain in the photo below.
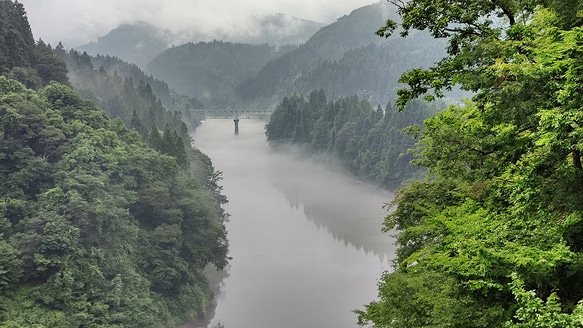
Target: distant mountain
x,y
136,43
210,71
344,58
279,30
140,42
371,71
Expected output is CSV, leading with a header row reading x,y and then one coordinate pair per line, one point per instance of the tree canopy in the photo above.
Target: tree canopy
x,y
99,226
493,237
96,226
369,142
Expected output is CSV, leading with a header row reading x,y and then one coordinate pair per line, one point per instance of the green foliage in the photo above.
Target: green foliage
x,y
499,221
30,63
49,66
96,226
86,237
170,100
122,97
16,40
369,143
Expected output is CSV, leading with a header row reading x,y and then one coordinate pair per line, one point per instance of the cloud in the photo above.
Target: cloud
x,y
80,21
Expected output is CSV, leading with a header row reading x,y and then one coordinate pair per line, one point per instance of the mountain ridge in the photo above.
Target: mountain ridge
x,y
140,42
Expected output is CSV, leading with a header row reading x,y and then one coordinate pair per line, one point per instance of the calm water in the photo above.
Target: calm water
x,y
306,242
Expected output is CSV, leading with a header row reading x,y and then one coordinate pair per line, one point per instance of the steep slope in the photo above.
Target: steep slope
x,y
169,97
32,64
140,42
371,71
16,40
97,227
210,71
308,67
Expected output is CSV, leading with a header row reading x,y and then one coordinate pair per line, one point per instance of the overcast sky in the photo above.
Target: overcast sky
x,y
77,22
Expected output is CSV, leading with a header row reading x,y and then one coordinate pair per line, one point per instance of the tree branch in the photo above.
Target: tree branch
x,y
398,3
506,11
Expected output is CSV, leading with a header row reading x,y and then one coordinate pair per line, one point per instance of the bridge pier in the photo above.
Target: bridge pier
x,y
236,125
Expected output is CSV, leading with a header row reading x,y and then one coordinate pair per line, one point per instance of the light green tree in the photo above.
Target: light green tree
x,y
499,223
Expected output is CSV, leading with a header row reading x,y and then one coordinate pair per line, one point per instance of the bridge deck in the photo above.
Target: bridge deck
x,y
204,114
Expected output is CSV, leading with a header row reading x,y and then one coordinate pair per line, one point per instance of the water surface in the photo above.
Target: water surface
x,y
306,242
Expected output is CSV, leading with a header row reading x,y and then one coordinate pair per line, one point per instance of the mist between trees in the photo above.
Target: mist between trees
x,y
100,226
371,143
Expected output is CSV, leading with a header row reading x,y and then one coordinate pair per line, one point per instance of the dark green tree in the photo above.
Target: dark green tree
x,y
369,143
49,66
16,40
97,228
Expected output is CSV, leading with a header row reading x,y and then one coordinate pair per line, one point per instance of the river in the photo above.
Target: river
x,y
306,242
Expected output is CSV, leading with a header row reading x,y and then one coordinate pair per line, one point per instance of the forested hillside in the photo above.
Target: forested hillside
x,y
344,58
125,70
139,102
171,100
369,142
140,42
494,237
338,59
210,71
97,227
371,72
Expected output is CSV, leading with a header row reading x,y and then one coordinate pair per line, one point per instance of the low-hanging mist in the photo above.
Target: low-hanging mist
x,y
304,239
79,22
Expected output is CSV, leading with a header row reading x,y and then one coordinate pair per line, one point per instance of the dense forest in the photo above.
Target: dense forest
x,y
140,104
369,142
100,226
20,57
211,71
371,71
494,237
344,58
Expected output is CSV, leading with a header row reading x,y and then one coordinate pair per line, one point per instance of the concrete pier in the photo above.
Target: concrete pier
x,y
236,125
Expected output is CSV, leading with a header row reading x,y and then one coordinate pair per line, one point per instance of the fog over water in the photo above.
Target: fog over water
x,y
306,242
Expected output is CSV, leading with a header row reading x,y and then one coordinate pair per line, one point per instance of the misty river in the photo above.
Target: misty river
x,y
306,242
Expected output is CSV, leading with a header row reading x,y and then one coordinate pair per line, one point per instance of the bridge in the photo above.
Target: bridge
x,y
257,114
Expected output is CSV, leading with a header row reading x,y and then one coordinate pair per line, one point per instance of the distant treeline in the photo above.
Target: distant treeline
x,y
116,91
369,142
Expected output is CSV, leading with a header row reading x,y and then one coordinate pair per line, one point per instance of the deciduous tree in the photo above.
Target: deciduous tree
x,y
502,229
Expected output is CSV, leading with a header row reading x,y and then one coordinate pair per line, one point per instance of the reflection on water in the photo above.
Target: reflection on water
x,y
341,205
306,242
